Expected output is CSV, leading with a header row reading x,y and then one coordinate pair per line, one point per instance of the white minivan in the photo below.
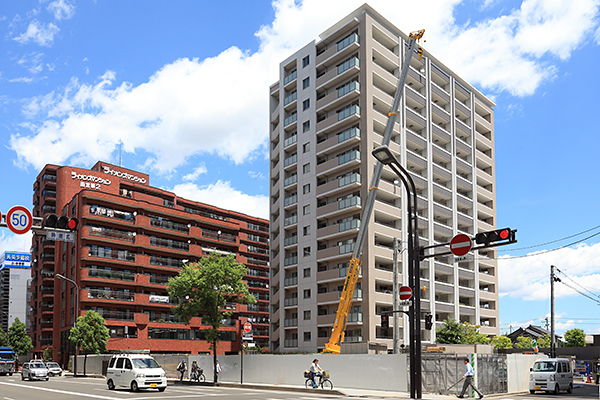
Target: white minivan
x,y
551,375
135,371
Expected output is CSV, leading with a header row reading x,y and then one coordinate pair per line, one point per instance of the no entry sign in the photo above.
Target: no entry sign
x,y
247,327
405,293
460,245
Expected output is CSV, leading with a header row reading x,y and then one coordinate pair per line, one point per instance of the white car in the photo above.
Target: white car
x,y
34,370
54,369
551,375
135,371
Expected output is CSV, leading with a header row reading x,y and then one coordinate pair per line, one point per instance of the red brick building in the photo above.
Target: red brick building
x,y
131,239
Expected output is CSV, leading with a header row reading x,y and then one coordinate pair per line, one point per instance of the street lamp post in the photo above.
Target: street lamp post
x,y
386,157
59,276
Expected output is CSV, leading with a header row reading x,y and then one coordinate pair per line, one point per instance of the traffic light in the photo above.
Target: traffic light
x,y
428,321
60,222
494,236
385,321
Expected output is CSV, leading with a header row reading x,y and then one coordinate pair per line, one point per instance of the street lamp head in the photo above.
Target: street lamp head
x,y
384,155
59,276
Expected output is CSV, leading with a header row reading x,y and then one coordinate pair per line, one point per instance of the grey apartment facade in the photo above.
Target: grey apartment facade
x,y
328,112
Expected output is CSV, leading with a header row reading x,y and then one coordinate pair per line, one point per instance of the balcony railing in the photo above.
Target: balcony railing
x,y
290,98
291,119
290,220
112,233
290,78
290,160
290,261
290,200
166,261
114,254
174,226
114,275
291,180
290,141
348,111
347,65
290,281
347,41
348,134
110,294
223,236
348,225
290,302
349,179
290,322
290,342
349,202
290,241
111,213
169,243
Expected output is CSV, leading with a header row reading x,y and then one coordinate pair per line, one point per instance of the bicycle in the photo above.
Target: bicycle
x,y
198,376
324,382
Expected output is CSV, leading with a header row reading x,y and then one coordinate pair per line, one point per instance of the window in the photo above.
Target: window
x,y
307,293
306,209
306,104
306,126
305,83
307,272
307,336
305,61
307,314
306,189
306,168
306,252
306,230
306,147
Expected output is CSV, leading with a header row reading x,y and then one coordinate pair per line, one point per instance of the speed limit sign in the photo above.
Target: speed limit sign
x,y
19,220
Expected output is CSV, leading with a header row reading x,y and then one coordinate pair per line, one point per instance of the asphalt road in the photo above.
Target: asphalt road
x,y
580,391
68,388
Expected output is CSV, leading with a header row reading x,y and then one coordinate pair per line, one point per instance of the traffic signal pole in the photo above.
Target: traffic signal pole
x,y
552,337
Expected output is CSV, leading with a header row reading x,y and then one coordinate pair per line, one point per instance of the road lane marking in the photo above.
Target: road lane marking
x,y
60,391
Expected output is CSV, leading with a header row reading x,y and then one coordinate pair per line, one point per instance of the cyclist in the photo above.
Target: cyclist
x,y
315,370
194,371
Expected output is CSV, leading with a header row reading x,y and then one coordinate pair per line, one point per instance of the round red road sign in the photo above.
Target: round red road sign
x,y
19,220
460,245
247,327
405,293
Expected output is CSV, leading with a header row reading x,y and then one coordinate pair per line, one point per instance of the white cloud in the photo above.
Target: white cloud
x,y
222,195
256,175
218,105
11,242
528,278
201,169
62,9
38,32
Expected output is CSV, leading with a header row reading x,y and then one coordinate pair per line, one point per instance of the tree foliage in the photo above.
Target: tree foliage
x,y
575,338
18,338
48,354
502,342
205,287
90,334
450,333
523,342
3,338
544,342
471,334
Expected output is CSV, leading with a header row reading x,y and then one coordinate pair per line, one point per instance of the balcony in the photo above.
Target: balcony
x,y
290,261
113,275
290,322
112,233
290,78
290,281
115,254
170,225
169,243
110,294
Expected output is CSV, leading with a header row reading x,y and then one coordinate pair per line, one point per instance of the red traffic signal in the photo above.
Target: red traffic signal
x,y
385,321
494,236
60,222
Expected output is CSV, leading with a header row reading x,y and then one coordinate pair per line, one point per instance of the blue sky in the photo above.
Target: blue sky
x,y
184,86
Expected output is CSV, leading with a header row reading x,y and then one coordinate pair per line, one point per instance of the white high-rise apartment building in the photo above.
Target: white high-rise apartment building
x,y
328,112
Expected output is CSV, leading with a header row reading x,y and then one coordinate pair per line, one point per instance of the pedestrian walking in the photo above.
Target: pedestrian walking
x,y
218,370
468,377
182,367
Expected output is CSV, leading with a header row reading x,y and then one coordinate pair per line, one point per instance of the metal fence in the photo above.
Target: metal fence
x,y
441,373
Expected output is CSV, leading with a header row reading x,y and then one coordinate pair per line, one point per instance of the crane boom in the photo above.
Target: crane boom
x,y
341,317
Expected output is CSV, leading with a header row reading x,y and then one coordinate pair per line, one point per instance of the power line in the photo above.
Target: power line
x,y
552,241
578,284
581,293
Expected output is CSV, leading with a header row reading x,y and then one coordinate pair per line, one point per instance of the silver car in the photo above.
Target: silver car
x,y
54,369
34,370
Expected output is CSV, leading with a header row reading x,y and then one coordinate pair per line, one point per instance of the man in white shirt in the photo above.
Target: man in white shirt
x,y
315,370
468,377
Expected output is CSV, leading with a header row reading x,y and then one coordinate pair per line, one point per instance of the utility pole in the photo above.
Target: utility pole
x,y
396,336
552,337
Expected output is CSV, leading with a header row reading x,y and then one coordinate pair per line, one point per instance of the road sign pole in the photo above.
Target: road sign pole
x,y
396,336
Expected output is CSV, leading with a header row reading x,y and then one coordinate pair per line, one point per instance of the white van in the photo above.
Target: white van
x,y
135,371
551,375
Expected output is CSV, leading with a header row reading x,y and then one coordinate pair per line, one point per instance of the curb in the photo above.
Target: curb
x,y
260,387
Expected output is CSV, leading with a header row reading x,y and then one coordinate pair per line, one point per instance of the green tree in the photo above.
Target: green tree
x,y
48,354
502,342
3,338
471,334
18,338
450,333
544,342
204,288
523,342
90,334
575,338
